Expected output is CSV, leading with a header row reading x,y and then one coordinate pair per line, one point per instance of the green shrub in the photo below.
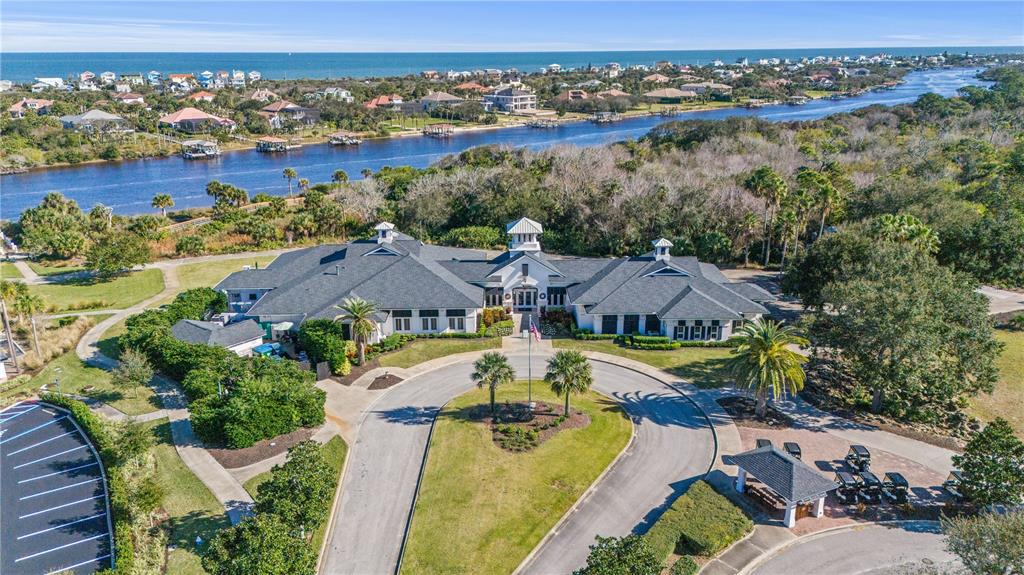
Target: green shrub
x,y
324,340
686,565
700,522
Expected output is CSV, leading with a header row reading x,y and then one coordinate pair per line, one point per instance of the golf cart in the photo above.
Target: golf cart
x,y
859,458
849,486
952,484
870,487
792,449
763,443
895,487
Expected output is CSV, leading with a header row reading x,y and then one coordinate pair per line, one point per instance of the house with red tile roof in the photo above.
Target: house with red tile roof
x,y
41,107
389,101
192,120
276,113
202,96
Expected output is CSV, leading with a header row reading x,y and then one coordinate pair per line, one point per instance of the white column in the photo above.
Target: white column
x,y
741,481
819,507
790,519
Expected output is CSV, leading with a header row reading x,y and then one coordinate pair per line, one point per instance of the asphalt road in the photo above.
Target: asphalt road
x,y
875,550
673,447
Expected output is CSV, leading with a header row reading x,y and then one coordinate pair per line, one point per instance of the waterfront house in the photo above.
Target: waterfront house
x,y
38,105
553,68
240,337
664,65
430,75
133,79
6,85
154,78
96,122
387,102
512,98
702,88
571,96
254,76
332,93
206,79
422,288
108,78
281,111
86,76
40,87
202,96
263,95
56,83
237,79
669,95
192,120
435,99
611,94
122,88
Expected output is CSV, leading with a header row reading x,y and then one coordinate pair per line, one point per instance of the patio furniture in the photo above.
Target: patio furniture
x,y
849,486
895,487
870,487
763,443
952,484
792,481
859,458
792,448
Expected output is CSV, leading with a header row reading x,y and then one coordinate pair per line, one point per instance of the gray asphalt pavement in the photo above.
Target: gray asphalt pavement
x,y
673,447
875,549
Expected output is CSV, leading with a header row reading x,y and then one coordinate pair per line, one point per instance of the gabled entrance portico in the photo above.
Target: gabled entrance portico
x,y
524,299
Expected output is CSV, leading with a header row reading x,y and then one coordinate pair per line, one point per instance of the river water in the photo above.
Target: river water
x,y
129,186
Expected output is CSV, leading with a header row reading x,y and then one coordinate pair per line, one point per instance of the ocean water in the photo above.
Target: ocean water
x,y
24,66
128,186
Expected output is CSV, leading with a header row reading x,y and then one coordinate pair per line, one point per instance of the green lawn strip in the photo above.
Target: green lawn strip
x,y
421,350
191,508
209,274
52,270
1008,396
701,366
117,293
75,376
9,271
700,522
108,340
481,509
335,451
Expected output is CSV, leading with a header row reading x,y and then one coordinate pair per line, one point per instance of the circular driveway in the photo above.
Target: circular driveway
x,y
674,445
873,549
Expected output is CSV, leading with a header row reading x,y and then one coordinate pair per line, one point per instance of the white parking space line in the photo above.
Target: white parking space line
x,y
51,422
34,495
16,414
12,406
51,456
34,513
70,567
65,546
47,530
62,472
40,443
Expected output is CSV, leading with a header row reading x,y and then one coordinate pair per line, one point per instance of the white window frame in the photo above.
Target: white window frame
x,y
457,323
429,323
403,324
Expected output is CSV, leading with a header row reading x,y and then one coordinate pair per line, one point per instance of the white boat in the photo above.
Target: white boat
x,y
344,139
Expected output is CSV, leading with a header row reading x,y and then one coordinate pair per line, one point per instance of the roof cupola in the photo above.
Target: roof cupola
x,y
523,235
385,232
661,249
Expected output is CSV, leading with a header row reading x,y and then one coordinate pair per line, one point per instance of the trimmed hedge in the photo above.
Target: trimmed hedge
x,y
101,439
686,565
324,340
699,522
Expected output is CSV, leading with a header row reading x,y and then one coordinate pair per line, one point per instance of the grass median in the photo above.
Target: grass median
x,y
482,509
1005,401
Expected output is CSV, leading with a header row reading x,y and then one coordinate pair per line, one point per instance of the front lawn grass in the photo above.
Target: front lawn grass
x,y
117,293
1008,396
421,350
75,376
209,274
481,509
9,271
192,510
701,366
54,268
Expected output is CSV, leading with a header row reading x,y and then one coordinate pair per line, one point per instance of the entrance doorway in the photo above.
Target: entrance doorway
x,y
524,299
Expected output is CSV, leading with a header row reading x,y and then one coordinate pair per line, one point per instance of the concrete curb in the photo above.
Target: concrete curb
x,y
334,505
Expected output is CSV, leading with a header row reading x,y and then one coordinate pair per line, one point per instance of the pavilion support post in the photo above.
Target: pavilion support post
x,y
790,518
819,507
741,481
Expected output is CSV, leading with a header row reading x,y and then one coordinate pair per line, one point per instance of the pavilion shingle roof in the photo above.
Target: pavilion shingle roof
x,y
786,475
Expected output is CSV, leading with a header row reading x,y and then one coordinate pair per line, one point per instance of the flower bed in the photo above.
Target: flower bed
x,y
515,428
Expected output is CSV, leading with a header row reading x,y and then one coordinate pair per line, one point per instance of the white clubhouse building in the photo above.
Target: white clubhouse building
x,y
422,288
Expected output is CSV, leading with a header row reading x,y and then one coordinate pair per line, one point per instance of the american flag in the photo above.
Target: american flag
x,y
533,330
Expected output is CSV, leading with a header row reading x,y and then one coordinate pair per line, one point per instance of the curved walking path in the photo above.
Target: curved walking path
x,y
674,445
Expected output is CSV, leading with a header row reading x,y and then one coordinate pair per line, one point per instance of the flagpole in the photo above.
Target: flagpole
x,y
529,364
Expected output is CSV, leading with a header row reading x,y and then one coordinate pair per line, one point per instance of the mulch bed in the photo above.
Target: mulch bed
x,y
741,409
357,370
385,381
543,420
232,458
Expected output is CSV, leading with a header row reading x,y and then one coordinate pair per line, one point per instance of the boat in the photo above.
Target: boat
x,y
344,138
542,123
439,130
275,144
199,149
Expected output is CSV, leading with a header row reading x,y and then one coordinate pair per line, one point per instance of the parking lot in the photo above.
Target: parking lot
x,y
53,498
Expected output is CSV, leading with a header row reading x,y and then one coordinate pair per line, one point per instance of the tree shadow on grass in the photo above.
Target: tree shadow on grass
x,y
204,524
705,374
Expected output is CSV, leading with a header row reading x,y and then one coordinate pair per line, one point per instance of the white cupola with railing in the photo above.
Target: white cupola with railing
x,y
385,232
662,247
523,235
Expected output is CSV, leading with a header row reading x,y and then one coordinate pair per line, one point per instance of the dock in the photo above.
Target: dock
x,y
272,144
344,138
199,149
439,130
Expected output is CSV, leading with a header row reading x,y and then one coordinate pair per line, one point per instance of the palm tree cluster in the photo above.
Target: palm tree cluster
x,y
765,362
568,373
26,304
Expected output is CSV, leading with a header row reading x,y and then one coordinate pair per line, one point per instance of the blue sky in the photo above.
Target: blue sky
x,y
280,26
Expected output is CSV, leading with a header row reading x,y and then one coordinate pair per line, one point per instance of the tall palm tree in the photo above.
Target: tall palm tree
x,y
290,174
162,202
492,370
303,185
764,363
569,372
766,184
339,177
30,304
11,291
8,292
359,313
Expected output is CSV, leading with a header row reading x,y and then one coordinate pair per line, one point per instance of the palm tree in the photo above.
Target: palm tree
x,y
905,229
366,172
569,372
290,174
11,291
162,202
747,228
764,362
358,311
8,292
30,304
339,177
766,184
492,370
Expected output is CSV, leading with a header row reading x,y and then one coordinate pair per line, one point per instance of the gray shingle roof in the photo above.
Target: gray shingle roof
x,y
786,475
213,333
